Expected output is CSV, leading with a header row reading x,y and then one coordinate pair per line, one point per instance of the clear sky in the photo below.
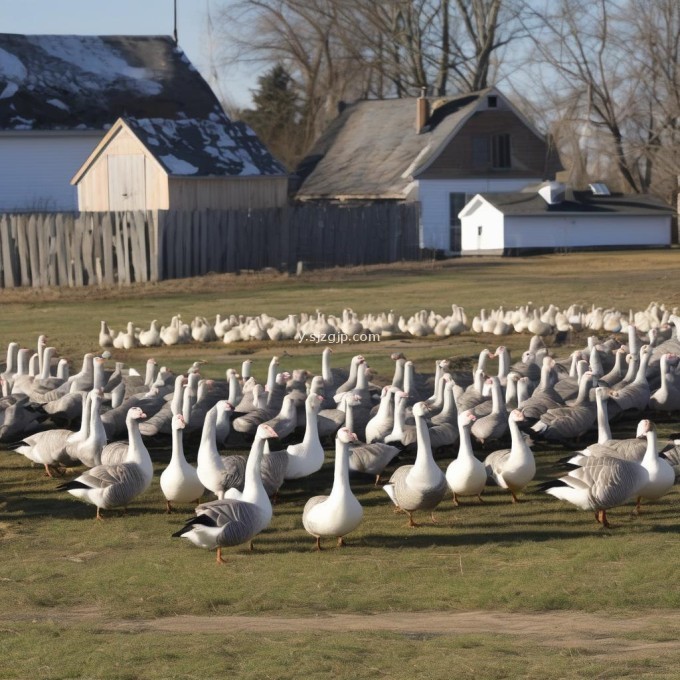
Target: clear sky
x,y
131,17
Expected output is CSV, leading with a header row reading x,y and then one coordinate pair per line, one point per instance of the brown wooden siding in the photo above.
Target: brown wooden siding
x,y
231,193
529,153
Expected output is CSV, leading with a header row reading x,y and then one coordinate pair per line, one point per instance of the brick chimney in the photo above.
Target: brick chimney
x,y
422,110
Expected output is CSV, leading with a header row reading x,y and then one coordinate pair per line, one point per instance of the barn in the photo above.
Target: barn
x,y
553,218
61,94
184,164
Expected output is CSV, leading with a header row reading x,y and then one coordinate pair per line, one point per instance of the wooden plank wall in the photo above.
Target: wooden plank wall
x,y
119,248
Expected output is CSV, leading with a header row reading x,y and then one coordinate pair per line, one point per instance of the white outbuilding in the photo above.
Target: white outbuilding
x,y
555,218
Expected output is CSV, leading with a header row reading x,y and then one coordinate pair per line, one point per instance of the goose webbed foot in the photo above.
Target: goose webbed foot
x,y
341,542
636,510
601,517
411,523
318,543
168,507
219,559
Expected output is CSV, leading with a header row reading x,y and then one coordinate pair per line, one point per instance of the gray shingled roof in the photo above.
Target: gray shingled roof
x,y
372,148
71,82
529,204
198,148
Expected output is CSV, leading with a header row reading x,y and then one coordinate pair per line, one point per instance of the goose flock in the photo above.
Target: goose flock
x,y
348,324
100,422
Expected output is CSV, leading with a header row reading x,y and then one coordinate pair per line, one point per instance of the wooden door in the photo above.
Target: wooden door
x,y
127,185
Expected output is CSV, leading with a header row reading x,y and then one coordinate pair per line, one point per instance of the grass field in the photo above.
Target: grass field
x,y
534,590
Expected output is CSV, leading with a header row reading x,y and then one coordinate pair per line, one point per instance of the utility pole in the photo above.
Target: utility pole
x,y
174,32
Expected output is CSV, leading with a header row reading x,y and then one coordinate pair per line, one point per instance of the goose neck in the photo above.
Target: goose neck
x,y
326,372
341,470
604,432
651,454
311,425
208,433
518,446
136,447
177,445
465,446
253,474
424,458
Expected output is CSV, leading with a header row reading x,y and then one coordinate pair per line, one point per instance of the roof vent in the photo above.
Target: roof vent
x,y
552,192
600,189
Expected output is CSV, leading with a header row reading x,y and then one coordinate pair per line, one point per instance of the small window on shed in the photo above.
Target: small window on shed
x,y
479,230
492,101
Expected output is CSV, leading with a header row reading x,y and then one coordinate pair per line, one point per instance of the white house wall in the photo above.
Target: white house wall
x,y
575,231
433,194
585,231
36,170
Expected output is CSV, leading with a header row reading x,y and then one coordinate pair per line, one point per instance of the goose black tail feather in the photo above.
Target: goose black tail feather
x,y
199,519
12,446
551,484
73,484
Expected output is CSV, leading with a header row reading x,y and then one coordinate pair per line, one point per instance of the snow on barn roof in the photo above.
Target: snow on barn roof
x,y
82,82
215,146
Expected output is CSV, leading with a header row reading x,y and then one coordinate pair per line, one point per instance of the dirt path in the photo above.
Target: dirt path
x,y
631,636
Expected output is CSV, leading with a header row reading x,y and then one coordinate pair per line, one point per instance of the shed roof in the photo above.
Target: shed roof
x,y
372,148
81,82
529,204
212,147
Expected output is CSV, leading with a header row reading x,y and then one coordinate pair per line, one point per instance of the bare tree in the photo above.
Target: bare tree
x,y
609,73
339,50
304,36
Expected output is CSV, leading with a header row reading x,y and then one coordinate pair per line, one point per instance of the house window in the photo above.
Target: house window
x,y
457,202
492,101
479,230
500,151
480,152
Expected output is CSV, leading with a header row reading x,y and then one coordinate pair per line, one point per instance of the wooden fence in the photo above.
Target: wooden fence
x,y
102,248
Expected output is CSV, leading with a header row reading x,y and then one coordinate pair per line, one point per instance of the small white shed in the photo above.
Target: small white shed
x,y
525,222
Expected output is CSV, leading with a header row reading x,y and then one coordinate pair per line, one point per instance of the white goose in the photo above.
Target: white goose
x,y
466,475
420,486
253,488
515,467
339,513
179,481
109,486
88,449
367,458
660,474
307,457
217,473
229,521
667,396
